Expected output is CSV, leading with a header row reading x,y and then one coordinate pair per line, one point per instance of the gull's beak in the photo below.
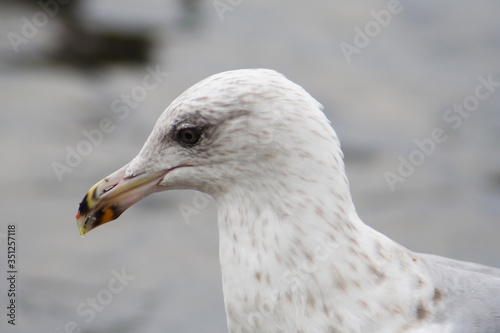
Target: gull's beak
x,y
110,197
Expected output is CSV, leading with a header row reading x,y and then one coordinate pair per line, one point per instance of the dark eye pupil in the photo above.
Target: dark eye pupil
x,y
189,135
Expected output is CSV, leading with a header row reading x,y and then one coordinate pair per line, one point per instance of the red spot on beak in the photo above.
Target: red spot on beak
x,y
77,216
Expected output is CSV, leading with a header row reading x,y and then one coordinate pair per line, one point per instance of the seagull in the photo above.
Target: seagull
x,y
294,255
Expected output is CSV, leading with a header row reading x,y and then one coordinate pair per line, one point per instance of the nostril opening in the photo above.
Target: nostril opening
x,y
107,189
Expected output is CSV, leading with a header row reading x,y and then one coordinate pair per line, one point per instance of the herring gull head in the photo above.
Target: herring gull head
x,y
237,130
294,255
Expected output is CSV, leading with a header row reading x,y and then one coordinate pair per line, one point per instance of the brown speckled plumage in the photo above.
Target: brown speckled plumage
x,y
294,255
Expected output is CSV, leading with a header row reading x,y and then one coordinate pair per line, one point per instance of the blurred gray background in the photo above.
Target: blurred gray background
x,y
65,67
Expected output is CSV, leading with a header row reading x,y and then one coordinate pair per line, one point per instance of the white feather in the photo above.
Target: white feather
x,y
294,255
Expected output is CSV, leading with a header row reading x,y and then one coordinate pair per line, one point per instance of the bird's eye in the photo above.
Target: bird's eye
x,y
189,135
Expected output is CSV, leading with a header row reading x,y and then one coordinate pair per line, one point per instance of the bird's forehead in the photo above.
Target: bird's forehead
x,y
215,105
258,93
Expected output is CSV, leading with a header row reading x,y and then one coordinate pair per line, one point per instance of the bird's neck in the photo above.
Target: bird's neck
x,y
307,254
